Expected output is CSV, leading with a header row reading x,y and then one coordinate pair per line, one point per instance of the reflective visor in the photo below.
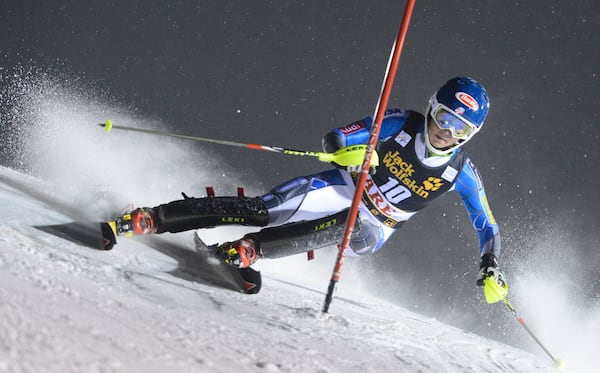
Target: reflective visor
x,y
448,120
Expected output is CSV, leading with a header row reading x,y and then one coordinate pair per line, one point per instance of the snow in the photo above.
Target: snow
x,y
65,307
68,308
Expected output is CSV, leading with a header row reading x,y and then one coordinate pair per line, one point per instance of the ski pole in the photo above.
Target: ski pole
x,y
558,363
382,102
346,157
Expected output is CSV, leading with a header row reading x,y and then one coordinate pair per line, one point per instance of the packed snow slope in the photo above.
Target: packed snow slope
x,y
66,307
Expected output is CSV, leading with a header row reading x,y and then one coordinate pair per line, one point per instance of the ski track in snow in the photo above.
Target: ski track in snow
x,y
65,307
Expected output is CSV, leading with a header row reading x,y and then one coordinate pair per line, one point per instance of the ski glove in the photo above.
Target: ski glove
x,y
492,279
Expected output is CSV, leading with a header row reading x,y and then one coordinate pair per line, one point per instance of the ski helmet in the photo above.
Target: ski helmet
x,y
460,106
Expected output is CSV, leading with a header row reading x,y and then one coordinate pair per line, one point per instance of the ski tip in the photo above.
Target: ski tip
x,y
109,239
107,125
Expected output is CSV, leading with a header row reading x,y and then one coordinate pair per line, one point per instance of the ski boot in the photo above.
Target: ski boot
x,y
241,253
138,221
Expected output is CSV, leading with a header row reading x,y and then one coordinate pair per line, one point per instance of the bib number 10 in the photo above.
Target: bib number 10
x,y
394,191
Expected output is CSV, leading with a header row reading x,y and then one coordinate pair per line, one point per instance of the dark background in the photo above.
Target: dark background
x,y
285,72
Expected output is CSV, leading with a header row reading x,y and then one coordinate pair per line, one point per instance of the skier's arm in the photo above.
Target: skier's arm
x,y
470,187
359,131
491,278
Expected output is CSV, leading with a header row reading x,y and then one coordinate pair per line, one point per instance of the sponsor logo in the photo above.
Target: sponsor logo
x,y
232,220
477,175
351,128
403,138
432,183
298,152
449,174
325,225
467,100
403,171
380,203
393,111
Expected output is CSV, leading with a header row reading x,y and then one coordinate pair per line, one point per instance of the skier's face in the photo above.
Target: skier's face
x,y
438,137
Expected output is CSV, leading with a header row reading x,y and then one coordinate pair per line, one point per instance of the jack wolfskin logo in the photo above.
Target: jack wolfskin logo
x,y
432,183
403,171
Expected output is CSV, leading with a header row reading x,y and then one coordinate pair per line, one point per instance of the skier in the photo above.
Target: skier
x,y
421,159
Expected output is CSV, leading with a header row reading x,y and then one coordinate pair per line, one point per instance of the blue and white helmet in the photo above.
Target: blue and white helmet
x,y
461,106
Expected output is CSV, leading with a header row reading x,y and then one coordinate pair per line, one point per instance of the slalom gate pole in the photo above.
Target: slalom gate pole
x,y
380,108
558,363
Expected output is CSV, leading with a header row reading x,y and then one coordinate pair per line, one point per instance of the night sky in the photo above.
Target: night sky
x,y
284,72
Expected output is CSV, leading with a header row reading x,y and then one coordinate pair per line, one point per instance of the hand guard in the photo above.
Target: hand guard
x,y
354,169
492,279
350,158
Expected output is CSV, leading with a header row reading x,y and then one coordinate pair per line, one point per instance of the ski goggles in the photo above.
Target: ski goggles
x,y
447,119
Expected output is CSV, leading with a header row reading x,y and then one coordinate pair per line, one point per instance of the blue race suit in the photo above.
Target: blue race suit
x,y
408,179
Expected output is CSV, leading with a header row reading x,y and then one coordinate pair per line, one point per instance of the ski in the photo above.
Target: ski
x,y
245,280
109,236
90,234
216,270
113,228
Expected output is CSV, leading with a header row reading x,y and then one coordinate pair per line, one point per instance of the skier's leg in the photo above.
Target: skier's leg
x,y
309,197
285,240
299,237
281,205
306,213
194,213
294,238
308,209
